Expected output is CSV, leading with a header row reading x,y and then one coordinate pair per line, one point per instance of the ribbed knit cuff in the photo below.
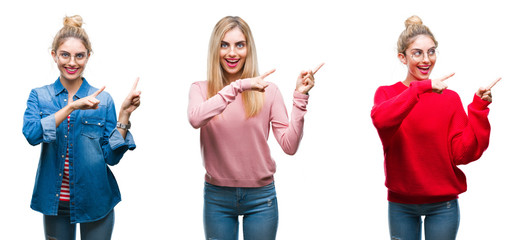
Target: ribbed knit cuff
x,y
478,103
422,86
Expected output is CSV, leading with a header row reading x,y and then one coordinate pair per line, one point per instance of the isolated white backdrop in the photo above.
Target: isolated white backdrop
x,y
333,188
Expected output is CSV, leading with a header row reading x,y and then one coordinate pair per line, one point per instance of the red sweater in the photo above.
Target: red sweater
x,y
425,136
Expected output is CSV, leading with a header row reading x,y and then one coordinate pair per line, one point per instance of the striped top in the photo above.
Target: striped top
x,y
64,189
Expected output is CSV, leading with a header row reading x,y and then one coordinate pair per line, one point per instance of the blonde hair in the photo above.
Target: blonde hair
x,y
414,27
216,80
72,29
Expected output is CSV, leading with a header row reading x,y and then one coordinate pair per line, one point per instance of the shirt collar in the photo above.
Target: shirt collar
x,y
82,91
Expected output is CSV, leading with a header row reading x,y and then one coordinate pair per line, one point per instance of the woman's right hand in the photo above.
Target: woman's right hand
x,y
438,85
258,83
89,102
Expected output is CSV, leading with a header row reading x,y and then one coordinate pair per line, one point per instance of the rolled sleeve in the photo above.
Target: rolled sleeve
x,y
116,140
49,128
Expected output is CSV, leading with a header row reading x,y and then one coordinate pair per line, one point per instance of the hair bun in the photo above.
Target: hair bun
x,y
73,21
413,20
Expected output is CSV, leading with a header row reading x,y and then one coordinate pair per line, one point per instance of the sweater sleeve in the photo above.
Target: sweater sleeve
x,y
288,133
388,113
201,110
470,134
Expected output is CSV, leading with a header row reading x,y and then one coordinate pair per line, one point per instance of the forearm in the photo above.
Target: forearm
x,y
389,113
201,110
289,134
123,117
62,114
470,143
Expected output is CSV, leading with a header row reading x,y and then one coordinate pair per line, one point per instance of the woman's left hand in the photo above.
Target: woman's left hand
x,y
132,100
306,80
485,92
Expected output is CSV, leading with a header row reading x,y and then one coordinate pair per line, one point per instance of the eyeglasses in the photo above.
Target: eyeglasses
x,y
66,57
419,55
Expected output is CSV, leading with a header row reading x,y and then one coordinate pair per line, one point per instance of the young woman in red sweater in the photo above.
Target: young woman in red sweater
x,y
425,134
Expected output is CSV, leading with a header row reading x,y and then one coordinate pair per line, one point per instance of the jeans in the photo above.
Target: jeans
x,y
441,220
60,227
223,205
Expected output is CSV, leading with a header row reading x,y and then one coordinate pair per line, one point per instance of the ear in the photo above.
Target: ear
x,y
55,57
402,58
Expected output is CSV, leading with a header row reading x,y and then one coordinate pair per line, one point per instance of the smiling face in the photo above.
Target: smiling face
x,y
233,53
420,58
71,57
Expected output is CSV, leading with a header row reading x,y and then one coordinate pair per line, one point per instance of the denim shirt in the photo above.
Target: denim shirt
x,y
94,143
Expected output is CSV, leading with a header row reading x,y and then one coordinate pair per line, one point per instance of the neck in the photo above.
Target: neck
x,y
410,78
71,85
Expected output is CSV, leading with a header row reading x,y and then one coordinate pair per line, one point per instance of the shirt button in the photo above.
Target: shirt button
x,y
60,174
65,136
65,100
86,121
98,124
62,156
57,195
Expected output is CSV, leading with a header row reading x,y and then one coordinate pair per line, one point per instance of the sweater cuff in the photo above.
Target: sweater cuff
x,y
244,84
423,86
300,100
300,95
478,103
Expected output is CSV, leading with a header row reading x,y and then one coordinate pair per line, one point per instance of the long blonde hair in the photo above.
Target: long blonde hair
x,y
414,27
216,80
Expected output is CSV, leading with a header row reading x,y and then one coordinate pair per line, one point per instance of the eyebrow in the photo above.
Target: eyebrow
x,y
235,43
62,51
418,49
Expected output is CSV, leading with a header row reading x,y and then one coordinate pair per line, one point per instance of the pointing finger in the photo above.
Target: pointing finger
x,y
493,83
447,76
318,68
135,84
268,73
99,91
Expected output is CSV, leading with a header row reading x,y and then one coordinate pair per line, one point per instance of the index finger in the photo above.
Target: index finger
x,y
99,91
268,73
493,83
447,76
135,84
318,68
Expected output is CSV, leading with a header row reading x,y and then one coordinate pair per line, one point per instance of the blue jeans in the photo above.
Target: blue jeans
x,y
441,221
223,205
60,228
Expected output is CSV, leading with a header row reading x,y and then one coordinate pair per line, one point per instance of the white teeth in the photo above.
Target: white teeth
x,y
232,61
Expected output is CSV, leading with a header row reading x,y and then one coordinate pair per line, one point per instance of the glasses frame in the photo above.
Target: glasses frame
x,y
426,53
74,56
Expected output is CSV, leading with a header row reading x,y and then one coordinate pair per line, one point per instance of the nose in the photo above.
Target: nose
x,y
232,52
72,60
425,58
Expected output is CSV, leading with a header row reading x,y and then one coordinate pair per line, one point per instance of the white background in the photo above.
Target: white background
x,y
333,188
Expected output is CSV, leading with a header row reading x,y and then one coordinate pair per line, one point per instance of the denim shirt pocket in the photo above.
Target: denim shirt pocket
x,y
92,127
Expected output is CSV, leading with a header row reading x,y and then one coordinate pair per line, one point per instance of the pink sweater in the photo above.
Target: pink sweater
x,y
235,149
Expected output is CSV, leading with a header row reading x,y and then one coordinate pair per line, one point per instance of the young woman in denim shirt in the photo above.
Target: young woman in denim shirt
x,y
77,127
234,110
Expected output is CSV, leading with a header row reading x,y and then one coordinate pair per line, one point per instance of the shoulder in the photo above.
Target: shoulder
x,y
199,86
46,91
451,94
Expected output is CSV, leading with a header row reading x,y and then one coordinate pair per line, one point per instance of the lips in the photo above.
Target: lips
x,y
232,62
424,69
71,70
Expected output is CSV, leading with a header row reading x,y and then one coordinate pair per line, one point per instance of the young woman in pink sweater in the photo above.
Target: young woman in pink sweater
x,y
234,110
426,134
